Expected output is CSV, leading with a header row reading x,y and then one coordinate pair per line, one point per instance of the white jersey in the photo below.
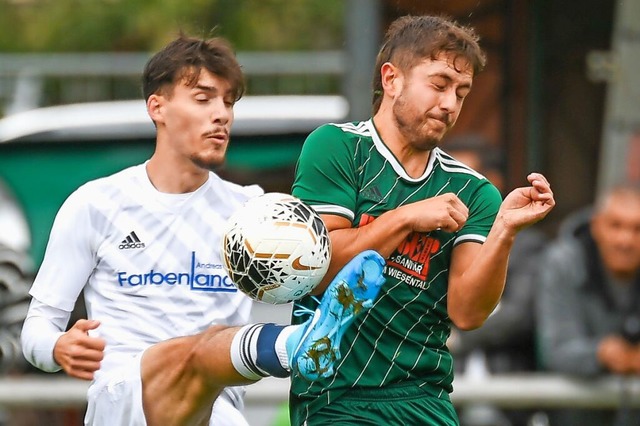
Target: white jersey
x,y
149,262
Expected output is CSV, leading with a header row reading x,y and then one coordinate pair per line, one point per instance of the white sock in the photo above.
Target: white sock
x,y
281,345
244,351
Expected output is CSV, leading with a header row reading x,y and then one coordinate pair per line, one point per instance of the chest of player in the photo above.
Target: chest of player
x,y
146,252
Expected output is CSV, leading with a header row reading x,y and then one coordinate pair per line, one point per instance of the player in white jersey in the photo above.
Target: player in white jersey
x,y
163,336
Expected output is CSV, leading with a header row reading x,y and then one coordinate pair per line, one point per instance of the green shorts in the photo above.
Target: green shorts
x,y
402,405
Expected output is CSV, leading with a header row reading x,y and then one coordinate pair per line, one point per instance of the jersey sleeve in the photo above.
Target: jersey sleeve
x,y
41,330
325,175
483,206
69,257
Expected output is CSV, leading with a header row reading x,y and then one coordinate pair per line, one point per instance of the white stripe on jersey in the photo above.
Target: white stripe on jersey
x,y
470,237
450,164
334,209
359,128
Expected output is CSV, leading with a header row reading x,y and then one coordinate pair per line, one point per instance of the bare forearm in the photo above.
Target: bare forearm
x,y
383,235
476,290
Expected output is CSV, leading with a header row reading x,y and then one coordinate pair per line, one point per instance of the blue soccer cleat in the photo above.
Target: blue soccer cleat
x,y
314,348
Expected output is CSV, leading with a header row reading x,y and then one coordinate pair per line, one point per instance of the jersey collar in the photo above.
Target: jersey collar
x,y
388,155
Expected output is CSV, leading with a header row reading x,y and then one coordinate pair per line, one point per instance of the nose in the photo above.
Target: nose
x,y
221,113
449,100
625,237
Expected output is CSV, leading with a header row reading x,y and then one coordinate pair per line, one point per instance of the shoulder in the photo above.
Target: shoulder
x,y
341,131
337,142
102,192
119,178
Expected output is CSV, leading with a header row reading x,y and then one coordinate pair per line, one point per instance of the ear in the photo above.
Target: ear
x,y
154,107
391,78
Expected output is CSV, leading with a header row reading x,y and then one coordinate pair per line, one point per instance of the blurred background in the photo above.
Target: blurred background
x,y
560,93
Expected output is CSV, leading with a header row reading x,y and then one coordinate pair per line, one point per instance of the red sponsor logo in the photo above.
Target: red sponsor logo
x,y
413,255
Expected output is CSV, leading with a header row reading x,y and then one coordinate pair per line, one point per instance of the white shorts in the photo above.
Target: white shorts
x,y
115,398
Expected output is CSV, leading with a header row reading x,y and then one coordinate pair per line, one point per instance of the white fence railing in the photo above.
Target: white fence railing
x,y
508,391
22,75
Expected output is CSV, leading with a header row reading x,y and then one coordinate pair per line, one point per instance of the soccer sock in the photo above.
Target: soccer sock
x,y
259,350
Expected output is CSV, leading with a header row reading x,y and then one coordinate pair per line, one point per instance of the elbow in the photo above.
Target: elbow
x,y
467,323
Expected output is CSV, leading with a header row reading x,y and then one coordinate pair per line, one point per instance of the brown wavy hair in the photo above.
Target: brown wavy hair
x,y
411,39
185,57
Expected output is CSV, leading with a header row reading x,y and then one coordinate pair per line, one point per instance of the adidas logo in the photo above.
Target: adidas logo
x,y
372,193
131,242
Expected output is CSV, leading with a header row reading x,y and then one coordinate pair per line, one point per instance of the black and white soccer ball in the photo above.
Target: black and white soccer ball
x,y
276,249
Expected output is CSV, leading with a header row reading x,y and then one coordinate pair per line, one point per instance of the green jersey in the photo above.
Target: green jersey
x,y
347,170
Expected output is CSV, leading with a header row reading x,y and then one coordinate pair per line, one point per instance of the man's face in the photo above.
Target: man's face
x,y
616,230
430,100
197,120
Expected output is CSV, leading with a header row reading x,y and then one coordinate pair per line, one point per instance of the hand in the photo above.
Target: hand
x,y
615,354
77,353
635,360
445,212
525,206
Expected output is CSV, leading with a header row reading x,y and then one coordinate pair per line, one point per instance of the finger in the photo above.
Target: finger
x,y
85,365
461,208
537,176
542,194
540,183
457,203
452,223
459,218
541,189
86,325
81,374
96,344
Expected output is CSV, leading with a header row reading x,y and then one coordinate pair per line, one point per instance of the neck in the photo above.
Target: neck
x,y
414,161
172,178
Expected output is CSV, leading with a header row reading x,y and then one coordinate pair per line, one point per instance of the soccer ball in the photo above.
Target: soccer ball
x,y
276,249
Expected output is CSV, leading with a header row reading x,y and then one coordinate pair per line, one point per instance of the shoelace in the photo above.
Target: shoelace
x,y
299,310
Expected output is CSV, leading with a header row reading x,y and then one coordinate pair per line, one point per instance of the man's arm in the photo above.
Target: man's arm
x,y
47,346
41,329
478,272
512,322
385,234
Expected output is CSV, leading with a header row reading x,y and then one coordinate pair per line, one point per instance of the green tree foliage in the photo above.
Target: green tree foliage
x,y
142,25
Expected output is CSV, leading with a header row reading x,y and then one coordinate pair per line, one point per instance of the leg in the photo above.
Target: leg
x,y
182,377
312,349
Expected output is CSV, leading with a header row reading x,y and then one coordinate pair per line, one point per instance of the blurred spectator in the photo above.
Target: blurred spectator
x,y
589,302
15,279
506,341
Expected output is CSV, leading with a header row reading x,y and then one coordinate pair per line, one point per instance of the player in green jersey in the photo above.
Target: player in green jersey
x,y
384,184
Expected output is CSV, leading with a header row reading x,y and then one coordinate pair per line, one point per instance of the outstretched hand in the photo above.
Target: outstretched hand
x,y
77,352
527,205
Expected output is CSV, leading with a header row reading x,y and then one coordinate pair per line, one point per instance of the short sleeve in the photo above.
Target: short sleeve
x,y
483,206
325,173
